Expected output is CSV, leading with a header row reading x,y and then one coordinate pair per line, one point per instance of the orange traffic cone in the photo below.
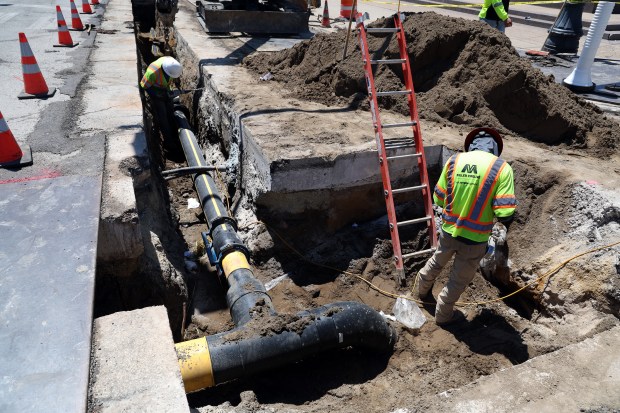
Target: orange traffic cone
x,y
10,152
86,9
76,22
96,2
34,83
64,37
325,22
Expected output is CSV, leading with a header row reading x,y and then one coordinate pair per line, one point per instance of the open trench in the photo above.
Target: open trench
x,y
308,258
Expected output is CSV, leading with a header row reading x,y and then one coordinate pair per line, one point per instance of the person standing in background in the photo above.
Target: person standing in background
x,y
495,14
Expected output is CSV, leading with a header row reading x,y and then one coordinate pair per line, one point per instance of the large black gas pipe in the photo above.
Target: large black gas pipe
x,y
262,338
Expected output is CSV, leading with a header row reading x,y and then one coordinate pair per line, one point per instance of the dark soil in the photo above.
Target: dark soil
x,y
464,72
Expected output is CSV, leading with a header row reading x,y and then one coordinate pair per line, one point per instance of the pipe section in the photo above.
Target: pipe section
x,y
262,338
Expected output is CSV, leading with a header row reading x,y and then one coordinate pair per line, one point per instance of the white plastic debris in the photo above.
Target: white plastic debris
x,y
408,313
271,284
266,76
192,203
387,316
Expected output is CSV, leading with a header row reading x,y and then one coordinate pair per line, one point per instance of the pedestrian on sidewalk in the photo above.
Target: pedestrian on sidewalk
x,y
495,14
474,188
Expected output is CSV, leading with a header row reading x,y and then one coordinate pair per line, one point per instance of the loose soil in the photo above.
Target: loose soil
x,y
465,74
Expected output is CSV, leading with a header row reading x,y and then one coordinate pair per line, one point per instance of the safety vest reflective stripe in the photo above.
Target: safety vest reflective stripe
x,y
485,191
450,182
497,4
440,193
154,76
504,201
468,224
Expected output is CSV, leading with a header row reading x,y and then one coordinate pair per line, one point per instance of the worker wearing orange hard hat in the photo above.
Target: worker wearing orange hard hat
x,y
475,187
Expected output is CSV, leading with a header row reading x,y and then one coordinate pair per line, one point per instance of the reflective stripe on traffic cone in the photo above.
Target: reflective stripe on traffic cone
x,y
86,9
76,22
10,152
34,83
64,37
325,22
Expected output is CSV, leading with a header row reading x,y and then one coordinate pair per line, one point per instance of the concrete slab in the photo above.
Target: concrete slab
x,y
113,108
337,151
48,235
134,366
580,377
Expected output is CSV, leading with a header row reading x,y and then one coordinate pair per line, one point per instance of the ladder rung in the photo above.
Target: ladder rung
x,y
408,189
411,155
414,221
382,30
398,125
418,253
394,92
387,61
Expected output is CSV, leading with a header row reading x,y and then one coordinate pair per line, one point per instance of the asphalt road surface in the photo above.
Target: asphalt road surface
x,y
47,125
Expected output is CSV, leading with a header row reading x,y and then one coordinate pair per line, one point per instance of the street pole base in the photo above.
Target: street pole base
x,y
580,89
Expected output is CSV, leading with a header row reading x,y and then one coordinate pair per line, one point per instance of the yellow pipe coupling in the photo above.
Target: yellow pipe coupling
x,y
234,261
195,364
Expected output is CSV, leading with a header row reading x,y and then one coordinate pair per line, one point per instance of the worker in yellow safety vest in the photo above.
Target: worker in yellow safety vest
x,y
156,80
157,83
474,188
495,14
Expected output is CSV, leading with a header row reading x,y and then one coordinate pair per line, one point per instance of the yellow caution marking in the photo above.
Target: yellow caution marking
x,y
199,160
234,261
195,364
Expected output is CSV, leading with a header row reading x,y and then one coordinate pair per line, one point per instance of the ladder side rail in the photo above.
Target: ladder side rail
x,y
417,132
383,163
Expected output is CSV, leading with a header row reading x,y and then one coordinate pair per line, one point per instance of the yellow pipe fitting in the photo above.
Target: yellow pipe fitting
x,y
195,364
234,261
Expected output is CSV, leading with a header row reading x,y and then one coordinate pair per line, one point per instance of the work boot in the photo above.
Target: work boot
x,y
457,317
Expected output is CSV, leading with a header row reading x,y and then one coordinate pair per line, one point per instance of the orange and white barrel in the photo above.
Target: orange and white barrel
x,y
346,8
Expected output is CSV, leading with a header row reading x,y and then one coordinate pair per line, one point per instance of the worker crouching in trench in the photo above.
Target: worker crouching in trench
x,y
157,82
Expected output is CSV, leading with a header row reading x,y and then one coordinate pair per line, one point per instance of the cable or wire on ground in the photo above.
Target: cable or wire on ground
x,y
406,297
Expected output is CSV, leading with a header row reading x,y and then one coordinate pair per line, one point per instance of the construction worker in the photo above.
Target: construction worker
x,y
495,14
156,80
157,83
474,188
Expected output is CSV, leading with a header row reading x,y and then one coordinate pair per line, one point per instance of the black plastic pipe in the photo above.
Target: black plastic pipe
x,y
337,325
262,339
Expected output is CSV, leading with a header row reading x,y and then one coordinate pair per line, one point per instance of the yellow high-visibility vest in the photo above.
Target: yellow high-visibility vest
x,y
497,5
474,187
155,77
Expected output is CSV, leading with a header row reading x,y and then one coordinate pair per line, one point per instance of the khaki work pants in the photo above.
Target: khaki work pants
x,y
465,264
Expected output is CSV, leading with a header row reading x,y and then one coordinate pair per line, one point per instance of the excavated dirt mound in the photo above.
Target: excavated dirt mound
x,y
464,72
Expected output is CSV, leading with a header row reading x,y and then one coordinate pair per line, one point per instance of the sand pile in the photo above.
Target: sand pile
x,y
464,72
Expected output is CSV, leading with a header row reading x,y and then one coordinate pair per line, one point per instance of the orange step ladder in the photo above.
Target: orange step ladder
x,y
387,146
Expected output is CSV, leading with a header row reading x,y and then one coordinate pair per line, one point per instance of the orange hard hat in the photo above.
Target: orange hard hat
x,y
485,131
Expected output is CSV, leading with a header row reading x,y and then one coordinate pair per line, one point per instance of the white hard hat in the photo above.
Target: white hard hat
x,y
172,67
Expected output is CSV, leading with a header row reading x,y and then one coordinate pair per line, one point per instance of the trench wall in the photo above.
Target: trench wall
x,y
334,185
